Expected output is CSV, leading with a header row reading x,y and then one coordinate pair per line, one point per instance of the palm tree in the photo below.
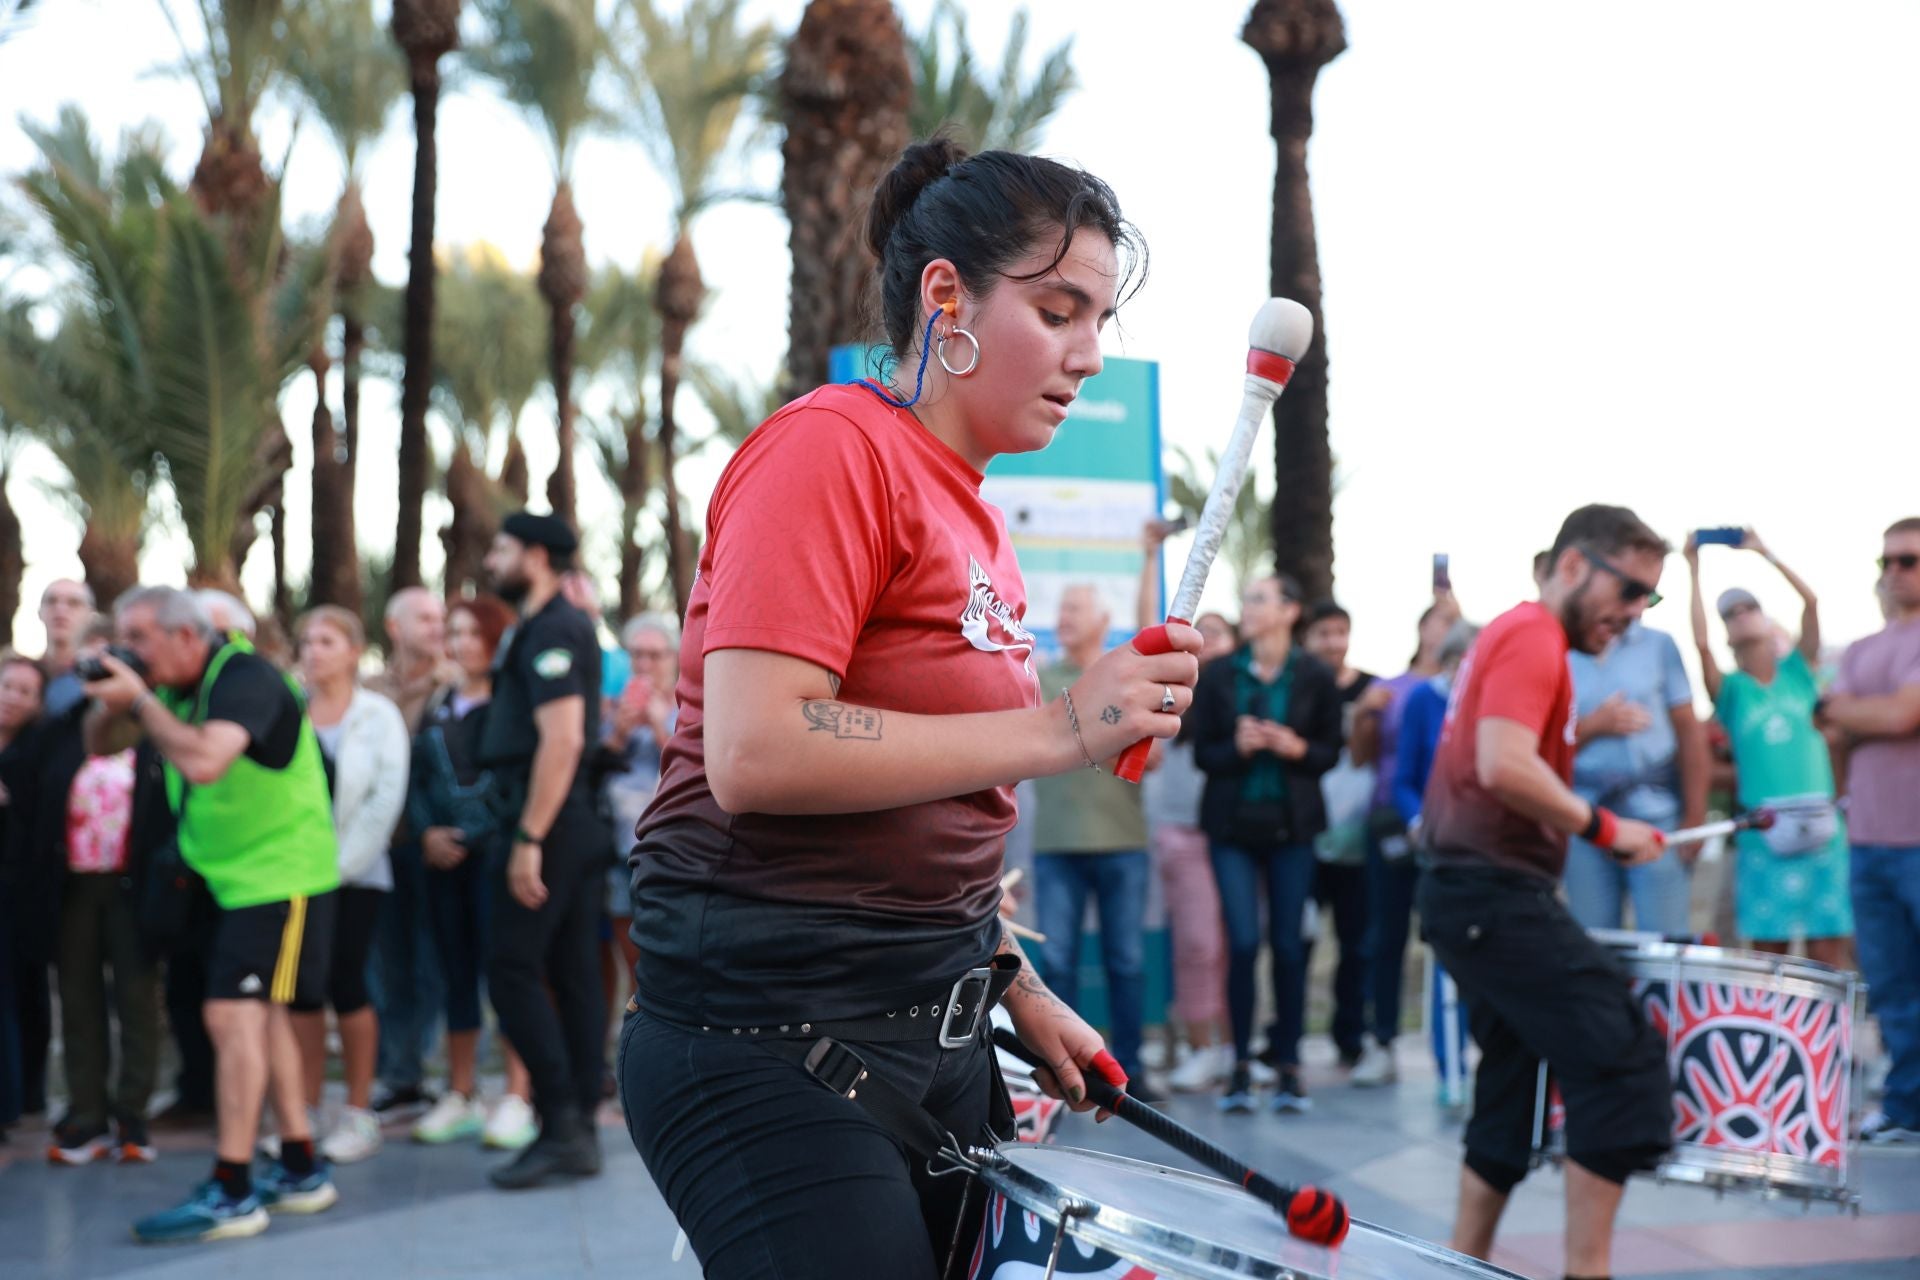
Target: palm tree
x,y
1006,116
13,562
488,367
1296,38
178,346
544,55
686,92
844,97
233,72
1244,546
351,77
426,31
621,340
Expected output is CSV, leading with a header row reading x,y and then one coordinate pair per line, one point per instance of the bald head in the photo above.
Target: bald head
x,y
416,623
1083,621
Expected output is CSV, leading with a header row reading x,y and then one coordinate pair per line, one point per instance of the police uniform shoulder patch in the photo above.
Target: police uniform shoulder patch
x,y
551,664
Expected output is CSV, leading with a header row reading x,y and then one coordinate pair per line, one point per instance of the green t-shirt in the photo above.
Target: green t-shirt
x,y
1081,811
1776,750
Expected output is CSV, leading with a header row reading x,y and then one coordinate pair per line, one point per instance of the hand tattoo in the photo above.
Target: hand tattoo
x,y
841,720
1111,715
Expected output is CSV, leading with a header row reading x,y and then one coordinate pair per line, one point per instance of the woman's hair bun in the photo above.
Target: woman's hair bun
x,y
920,164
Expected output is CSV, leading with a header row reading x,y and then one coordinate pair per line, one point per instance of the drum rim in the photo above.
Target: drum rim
x,y
1105,1226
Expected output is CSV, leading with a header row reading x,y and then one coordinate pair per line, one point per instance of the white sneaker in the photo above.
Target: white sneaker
x,y
1203,1070
512,1125
1262,1075
269,1143
454,1117
1375,1067
356,1137
1879,1130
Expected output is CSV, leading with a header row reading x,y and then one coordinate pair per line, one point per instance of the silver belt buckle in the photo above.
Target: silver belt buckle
x,y
983,978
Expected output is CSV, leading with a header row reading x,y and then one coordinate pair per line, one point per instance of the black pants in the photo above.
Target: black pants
x,y
773,1175
33,1009
555,948
186,994
1538,988
1342,894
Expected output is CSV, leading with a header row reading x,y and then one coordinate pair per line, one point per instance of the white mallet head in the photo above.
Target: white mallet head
x,y
1283,327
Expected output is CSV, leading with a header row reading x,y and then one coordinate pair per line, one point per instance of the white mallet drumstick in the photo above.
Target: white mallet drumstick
x,y
1279,336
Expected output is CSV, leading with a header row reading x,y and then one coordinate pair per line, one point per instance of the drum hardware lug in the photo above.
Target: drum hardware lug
x,y
1069,1209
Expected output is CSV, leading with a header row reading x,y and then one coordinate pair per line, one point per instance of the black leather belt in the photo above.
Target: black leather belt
x,y
952,1014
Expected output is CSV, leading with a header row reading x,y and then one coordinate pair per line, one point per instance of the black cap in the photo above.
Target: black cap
x,y
550,532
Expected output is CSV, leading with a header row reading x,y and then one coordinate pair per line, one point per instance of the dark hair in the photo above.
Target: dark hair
x,y
1909,525
1324,610
490,614
1542,560
982,213
10,659
1290,588
1607,531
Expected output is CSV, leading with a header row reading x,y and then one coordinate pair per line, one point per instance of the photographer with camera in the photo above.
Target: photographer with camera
x,y
244,777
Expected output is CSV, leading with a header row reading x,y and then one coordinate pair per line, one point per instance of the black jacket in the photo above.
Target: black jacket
x,y
1313,712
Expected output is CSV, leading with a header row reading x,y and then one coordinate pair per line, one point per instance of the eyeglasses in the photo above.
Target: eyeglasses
x,y
1906,561
1631,588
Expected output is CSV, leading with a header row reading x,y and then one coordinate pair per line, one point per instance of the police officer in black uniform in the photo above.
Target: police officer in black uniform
x,y
551,851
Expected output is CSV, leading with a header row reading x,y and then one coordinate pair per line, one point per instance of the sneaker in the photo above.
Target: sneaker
x,y
1451,1097
454,1117
1880,1130
281,1192
411,1095
1203,1069
1141,1088
1264,1076
565,1149
269,1143
512,1127
78,1144
1375,1068
356,1137
1238,1098
207,1214
1350,1057
134,1146
1291,1096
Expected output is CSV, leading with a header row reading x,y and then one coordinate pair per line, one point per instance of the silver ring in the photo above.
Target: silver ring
x,y
940,345
1166,699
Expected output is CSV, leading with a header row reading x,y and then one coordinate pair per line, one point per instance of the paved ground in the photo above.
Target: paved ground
x,y
419,1212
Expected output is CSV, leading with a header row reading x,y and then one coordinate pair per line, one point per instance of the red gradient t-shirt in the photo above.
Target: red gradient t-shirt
x,y
845,534
1517,670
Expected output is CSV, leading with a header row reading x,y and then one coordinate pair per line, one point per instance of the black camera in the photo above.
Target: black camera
x,y
90,668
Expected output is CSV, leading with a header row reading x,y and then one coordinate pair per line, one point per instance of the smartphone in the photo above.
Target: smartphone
x,y
1725,537
1178,524
1442,580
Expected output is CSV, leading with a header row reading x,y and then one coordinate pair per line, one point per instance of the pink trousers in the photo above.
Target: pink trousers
x,y
1193,914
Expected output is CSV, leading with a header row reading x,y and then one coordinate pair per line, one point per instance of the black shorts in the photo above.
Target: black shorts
x,y
1538,988
276,951
356,910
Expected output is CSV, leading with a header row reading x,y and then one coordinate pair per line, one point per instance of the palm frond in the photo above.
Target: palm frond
x,y
736,402
951,93
343,64
489,344
544,56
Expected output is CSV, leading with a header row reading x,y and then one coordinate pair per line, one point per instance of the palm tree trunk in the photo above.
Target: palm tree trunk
x,y
346,587
417,344
327,546
463,538
563,282
845,96
633,494
1296,38
673,336
110,564
13,563
282,596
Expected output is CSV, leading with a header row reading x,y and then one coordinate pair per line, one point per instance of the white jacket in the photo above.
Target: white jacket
x,y
369,788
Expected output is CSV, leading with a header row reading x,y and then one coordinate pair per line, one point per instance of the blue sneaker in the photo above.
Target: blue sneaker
x,y
1290,1097
208,1214
281,1192
1237,1100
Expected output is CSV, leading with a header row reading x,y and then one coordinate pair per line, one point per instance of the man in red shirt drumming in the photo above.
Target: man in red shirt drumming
x,y
1496,820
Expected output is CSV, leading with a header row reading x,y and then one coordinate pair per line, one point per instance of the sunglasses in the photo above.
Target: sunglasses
x,y
1631,588
1906,562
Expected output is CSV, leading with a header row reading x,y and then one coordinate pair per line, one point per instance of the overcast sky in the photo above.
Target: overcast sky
x,y
1651,252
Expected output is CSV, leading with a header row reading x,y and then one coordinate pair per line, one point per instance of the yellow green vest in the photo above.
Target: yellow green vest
x,y
256,835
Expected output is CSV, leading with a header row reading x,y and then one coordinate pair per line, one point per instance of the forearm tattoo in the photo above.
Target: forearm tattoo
x,y
841,720
1028,982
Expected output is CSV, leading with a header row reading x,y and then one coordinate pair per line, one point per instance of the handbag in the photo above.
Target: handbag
x,y
1801,825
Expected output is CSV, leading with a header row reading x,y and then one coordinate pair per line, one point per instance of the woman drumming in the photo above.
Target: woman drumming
x,y
857,700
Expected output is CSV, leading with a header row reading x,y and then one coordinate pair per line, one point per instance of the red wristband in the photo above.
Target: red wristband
x,y
1608,827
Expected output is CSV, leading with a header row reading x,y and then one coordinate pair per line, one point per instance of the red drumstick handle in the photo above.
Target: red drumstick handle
x,y
1133,761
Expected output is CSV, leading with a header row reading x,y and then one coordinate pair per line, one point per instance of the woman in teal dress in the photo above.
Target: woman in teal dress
x,y
1790,882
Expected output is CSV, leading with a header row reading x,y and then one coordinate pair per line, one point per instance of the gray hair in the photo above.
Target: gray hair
x,y
663,623
401,600
173,608
226,611
1460,638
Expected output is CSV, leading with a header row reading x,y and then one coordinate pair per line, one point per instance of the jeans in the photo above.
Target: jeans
x,y
1390,887
1118,882
544,967
406,987
1886,923
1288,874
99,930
1598,887
773,1175
1342,890
462,907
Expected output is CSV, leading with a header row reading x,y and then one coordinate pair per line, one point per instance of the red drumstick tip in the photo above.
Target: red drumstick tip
x,y
1763,819
1318,1216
